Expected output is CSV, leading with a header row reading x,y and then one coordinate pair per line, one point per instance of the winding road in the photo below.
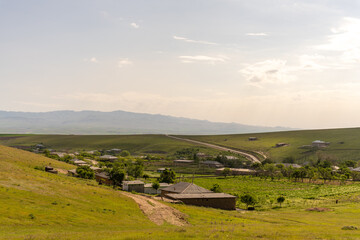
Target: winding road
x,y
249,156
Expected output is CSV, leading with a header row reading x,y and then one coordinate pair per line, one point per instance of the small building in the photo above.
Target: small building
x,y
136,185
320,144
236,171
253,138
78,162
148,189
231,158
40,146
161,170
114,151
355,169
50,170
293,165
96,169
103,178
214,200
281,145
108,158
192,194
183,161
212,164
59,154
202,155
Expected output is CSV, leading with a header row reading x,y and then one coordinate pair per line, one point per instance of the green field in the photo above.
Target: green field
x,y
136,144
344,144
39,205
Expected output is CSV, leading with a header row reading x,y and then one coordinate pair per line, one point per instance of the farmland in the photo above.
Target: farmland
x,y
344,144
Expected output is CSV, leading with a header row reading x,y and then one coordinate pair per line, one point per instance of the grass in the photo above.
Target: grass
x,y
345,144
39,205
136,144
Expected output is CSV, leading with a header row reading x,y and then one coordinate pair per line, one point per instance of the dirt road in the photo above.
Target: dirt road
x,y
249,156
158,212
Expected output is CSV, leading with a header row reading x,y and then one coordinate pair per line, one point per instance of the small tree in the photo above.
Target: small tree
x,y
167,176
216,188
155,185
226,172
248,199
125,153
280,200
117,175
146,176
85,172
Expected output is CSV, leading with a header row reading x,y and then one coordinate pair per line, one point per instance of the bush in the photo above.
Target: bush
x,y
167,176
248,200
216,188
85,172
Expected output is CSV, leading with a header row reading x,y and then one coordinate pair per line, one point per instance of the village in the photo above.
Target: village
x,y
116,167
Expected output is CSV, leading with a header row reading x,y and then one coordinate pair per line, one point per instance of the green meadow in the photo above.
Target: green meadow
x,y
39,205
344,144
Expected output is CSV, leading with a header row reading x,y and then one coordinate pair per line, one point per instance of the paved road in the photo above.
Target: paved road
x,y
249,156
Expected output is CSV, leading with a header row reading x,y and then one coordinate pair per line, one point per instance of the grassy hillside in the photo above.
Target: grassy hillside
x,y
345,144
136,144
39,205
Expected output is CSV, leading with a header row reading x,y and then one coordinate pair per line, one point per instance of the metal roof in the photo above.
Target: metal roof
x,y
199,195
186,188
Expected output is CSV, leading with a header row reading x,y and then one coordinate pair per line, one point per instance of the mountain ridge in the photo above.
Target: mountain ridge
x,y
117,122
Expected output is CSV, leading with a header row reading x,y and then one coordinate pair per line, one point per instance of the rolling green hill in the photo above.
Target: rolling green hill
x,y
344,144
39,205
136,144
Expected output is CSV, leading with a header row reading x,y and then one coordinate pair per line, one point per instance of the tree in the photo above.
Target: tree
x,y
145,176
226,172
155,185
117,175
136,170
124,153
216,188
85,172
248,200
280,200
167,176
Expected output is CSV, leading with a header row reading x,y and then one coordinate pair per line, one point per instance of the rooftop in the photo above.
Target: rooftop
x,y
199,195
186,188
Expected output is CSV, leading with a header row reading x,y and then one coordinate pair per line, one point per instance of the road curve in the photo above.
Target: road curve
x,y
249,156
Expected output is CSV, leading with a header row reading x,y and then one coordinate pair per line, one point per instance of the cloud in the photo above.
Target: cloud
x,y
260,34
273,71
344,42
134,25
204,59
124,62
93,60
193,41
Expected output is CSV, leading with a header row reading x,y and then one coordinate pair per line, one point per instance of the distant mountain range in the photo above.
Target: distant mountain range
x,y
117,122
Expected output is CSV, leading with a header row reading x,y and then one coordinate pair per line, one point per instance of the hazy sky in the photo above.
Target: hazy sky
x,y
259,62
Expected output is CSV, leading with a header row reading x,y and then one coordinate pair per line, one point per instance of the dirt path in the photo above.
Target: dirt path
x,y
249,156
158,212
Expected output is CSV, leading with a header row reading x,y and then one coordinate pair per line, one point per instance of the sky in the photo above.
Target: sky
x,y
260,62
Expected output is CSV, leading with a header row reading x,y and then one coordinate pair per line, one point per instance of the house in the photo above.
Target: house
x,y
212,164
161,170
136,185
192,194
183,161
236,171
293,165
202,155
231,158
114,151
253,138
78,162
108,158
59,154
319,144
103,178
96,169
40,146
50,170
148,189
355,169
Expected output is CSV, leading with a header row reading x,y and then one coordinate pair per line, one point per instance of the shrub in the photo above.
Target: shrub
x,y
85,172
